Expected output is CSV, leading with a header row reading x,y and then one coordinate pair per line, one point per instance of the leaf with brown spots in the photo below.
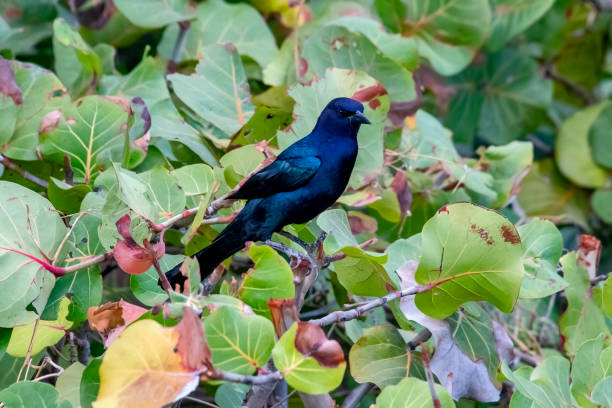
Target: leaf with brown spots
x,y
110,319
473,254
8,86
310,340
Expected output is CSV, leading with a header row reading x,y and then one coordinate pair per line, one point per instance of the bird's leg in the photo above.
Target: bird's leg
x,y
290,252
293,238
311,248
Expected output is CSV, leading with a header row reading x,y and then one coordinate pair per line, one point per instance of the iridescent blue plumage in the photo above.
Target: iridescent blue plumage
x,y
302,182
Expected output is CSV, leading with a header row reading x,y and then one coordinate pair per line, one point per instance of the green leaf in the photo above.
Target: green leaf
x,y
231,395
379,356
338,47
472,331
544,192
589,366
311,99
41,93
505,98
220,23
145,287
156,13
154,195
362,273
66,198
602,392
30,225
69,384
392,13
454,244
90,382
414,393
511,17
600,201
195,179
507,165
218,91
304,373
543,246
607,296
573,153
335,223
548,385
27,394
47,333
583,320
458,22
88,129
76,63
271,278
239,342
600,139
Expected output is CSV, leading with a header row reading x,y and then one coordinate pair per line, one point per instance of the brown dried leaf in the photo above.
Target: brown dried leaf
x,y
110,319
403,192
310,340
284,314
192,346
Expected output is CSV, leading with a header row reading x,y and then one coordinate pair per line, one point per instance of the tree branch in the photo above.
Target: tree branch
x,y
420,338
354,398
345,315
429,375
28,176
245,379
179,46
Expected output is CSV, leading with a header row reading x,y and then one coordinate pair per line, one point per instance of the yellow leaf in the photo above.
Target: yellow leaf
x,y
142,369
47,333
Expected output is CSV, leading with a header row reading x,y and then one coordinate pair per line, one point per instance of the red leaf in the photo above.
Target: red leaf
x,y
8,86
192,347
402,191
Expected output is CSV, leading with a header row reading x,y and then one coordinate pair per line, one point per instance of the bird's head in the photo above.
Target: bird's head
x,y
342,114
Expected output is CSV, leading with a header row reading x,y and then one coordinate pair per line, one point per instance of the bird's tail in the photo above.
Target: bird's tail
x,y
225,245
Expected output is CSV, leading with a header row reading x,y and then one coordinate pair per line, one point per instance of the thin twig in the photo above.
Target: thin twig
x,y
179,46
162,277
429,375
26,175
61,245
28,357
419,339
87,263
345,315
246,379
211,281
354,398
209,404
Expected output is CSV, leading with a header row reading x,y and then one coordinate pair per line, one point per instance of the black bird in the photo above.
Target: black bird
x,y
303,181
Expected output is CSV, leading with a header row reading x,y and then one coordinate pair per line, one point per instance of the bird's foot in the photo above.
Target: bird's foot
x,y
175,277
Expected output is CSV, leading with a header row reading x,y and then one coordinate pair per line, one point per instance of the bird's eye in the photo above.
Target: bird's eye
x,y
345,113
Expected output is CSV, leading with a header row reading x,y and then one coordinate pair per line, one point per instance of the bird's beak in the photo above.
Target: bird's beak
x,y
359,117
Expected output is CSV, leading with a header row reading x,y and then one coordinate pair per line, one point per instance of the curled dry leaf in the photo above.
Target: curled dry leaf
x,y
403,192
310,340
8,86
192,347
110,319
284,314
589,251
131,257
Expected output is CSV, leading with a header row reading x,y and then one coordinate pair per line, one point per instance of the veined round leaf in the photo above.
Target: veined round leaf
x,y
144,358
69,384
602,392
42,92
218,91
362,273
379,356
85,130
334,46
543,246
28,394
476,255
573,153
239,342
601,201
271,278
144,286
511,17
195,179
335,223
219,23
412,392
457,22
155,13
32,226
600,138
304,373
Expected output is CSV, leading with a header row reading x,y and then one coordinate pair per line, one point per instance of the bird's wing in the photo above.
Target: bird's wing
x,y
283,174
